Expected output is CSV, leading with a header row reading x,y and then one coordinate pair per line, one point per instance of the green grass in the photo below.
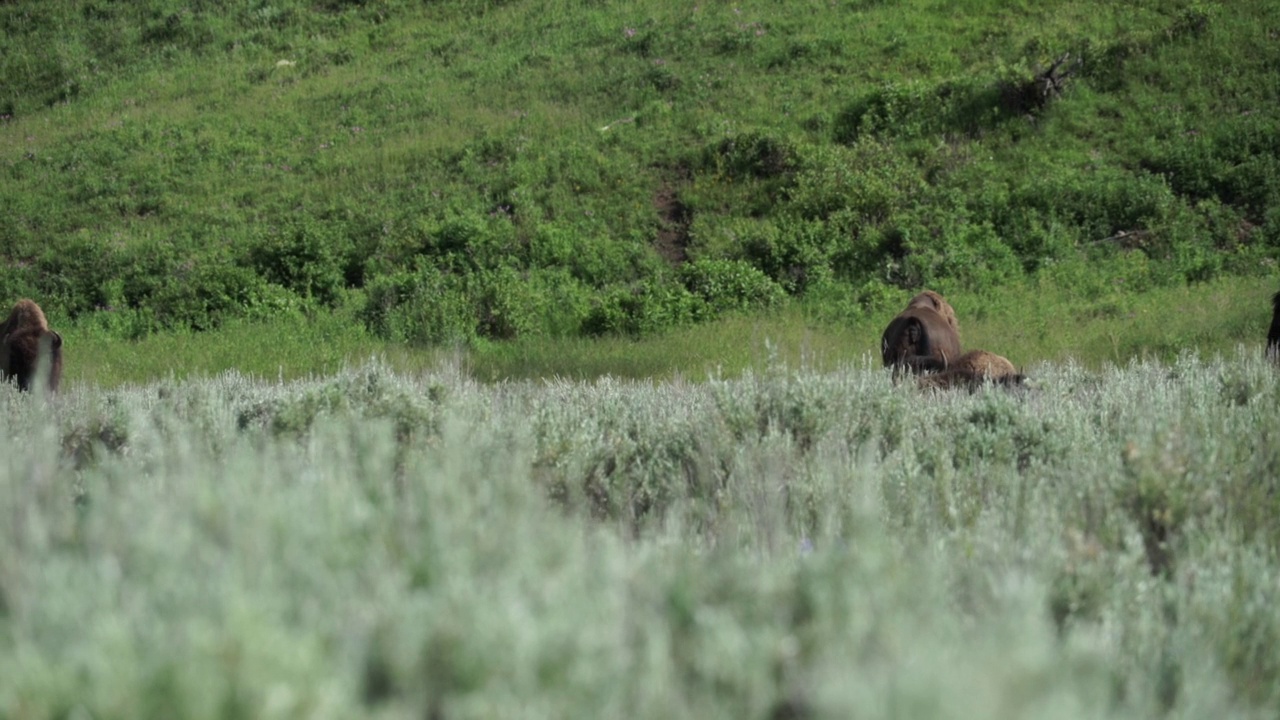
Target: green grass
x,y
1029,326
465,170
376,544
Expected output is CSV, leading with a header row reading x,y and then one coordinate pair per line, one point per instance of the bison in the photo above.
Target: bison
x,y
1273,335
25,338
972,369
923,337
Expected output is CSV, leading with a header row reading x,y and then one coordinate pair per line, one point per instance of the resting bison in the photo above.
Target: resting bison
x,y
923,337
1273,336
972,369
24,338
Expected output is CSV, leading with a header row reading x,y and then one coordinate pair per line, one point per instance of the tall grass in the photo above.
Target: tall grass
x,y
787,543
1028,324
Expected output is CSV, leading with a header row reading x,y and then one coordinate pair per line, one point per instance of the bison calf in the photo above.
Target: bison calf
x,y
923,337
972,369
25,338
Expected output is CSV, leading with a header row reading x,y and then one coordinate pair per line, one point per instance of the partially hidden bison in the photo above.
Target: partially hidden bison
x,y
1273,335
24,339
973,369
924,337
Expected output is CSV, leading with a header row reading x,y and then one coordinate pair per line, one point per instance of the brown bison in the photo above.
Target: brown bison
x,y
25,338
1273,335
972,369
923,337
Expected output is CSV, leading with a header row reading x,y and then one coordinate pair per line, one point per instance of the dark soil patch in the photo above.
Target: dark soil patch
x,y
674,218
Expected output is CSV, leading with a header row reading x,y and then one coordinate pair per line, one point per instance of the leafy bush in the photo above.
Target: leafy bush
x,y
914,109
593,260
870,180
642,308
754,154
305,256
510,303
726,285
795,253
425,306
941,247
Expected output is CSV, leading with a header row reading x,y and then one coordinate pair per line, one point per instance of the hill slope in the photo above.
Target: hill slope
x,y
504,169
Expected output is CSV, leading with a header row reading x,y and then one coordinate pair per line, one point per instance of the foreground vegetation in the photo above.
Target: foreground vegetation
x,y
447,171
789,543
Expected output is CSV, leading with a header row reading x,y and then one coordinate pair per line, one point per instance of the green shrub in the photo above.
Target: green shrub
x,y
642,308
726,285
794,253
509,303
944,247
1234,161
870,180
959,106
425,306
753,154
306,256
595,261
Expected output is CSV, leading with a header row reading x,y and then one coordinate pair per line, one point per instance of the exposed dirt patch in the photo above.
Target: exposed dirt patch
x,y
674,217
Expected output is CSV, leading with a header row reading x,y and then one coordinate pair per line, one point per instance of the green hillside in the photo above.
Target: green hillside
x,y
448,171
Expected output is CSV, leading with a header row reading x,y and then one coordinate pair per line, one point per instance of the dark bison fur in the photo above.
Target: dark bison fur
x,y
924,337
1273,335
934,301
25,338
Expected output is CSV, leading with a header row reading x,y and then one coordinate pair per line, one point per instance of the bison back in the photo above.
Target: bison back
x,y
919,339
20,354
1273,335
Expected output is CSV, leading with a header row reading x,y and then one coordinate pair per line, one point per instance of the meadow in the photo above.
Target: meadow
x,y
469,171
788,543
1028,325
488,358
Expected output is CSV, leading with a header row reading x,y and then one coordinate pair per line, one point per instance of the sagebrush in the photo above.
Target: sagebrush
x,y
790,543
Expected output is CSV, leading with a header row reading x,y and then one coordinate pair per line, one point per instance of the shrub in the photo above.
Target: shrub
x,y
869,180
305,256
203,294
595,261
730,285
508,303
794,253
754,154
943,246
914,109
642,307
424,306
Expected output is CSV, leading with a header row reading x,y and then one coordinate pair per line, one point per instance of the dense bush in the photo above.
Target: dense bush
x,y
642,307
425,306
726,285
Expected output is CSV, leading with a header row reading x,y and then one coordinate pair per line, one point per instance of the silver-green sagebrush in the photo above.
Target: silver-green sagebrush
x,y
788,543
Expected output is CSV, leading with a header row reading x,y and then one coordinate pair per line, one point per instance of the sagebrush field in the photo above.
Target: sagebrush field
x,y
787,544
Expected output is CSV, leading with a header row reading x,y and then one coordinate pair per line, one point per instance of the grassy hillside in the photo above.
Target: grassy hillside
x,y
1029,326
789,544
463,169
